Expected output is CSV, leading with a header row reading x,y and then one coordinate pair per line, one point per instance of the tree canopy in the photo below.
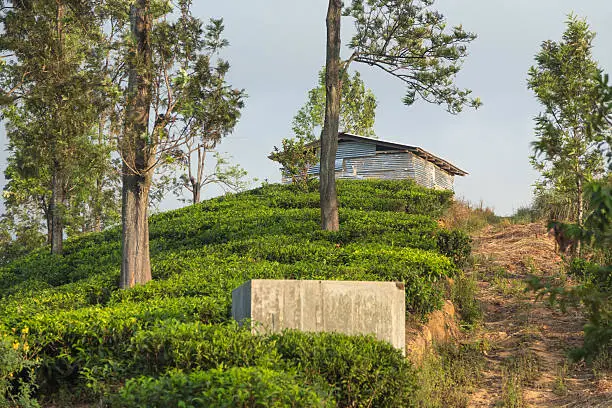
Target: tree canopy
x,y
567,147
357,108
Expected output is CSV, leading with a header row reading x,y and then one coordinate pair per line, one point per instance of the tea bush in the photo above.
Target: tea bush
x,y
234,387
90,336
362,372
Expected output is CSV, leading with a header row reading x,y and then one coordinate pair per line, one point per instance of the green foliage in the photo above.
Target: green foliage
x,y
448,375
234,387
17,371
409,40
357,109
90,336
574,134
567,147
455,244
362,372
296,156
594,300
463,294
590,272
198,346
57,93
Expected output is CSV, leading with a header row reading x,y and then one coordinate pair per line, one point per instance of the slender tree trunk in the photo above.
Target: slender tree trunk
x,y
58,199
49,228
58,196
196,184
137,153
97,205
329,135
49,219
580,215
196,194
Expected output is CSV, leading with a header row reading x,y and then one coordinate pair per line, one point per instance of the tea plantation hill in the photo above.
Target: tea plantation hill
x,y
64,320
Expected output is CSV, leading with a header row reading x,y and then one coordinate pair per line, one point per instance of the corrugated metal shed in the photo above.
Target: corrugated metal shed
x,y
359,157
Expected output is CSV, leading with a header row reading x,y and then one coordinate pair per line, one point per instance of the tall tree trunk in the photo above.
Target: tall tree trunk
x,y
195,191
580,215
136,264
137,153
48,218
58,201
329,135
58,196
97,205
197,182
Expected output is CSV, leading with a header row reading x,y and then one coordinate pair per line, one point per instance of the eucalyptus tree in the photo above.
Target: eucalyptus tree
x,y
51,86
211,112
357,108
407,40
167,104
568,142
357,116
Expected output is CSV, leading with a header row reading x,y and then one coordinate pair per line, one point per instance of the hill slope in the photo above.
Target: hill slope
x,y
89,336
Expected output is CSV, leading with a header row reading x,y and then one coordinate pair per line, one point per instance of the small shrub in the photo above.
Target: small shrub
x,y
17,371
463,294
590,272
362,371
512,390
455,244
234,387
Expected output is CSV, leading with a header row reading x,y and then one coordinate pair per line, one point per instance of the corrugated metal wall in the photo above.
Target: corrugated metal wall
x,y
444,180
356,160
381,166
355,149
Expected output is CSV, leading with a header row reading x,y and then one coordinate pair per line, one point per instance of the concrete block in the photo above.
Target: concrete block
x,y
377,308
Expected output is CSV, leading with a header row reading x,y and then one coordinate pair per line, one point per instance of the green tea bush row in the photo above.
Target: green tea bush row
x,y
228,219
235,387
360,370
73,340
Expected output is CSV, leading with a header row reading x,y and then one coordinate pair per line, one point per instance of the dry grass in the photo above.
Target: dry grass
x,y
468,217
523,249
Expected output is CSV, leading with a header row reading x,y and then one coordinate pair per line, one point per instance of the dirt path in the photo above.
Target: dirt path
x,y
525,341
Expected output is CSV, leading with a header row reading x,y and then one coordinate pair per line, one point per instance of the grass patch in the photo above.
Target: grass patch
x,y
520,370
463,295
448,374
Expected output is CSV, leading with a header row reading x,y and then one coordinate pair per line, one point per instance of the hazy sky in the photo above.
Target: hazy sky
x,y
278,46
